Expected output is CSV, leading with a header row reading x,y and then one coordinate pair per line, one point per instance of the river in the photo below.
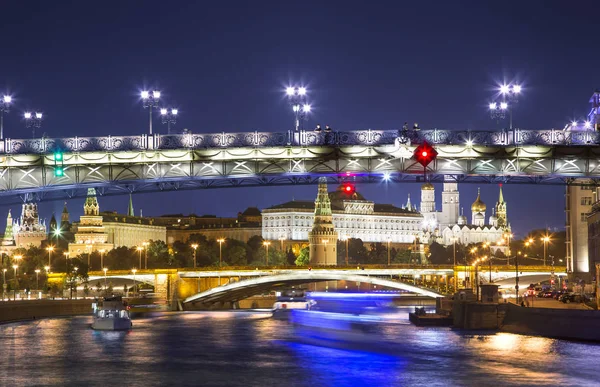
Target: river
x,y
248,348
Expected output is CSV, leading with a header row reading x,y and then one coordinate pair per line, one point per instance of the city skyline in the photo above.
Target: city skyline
x,y
230,71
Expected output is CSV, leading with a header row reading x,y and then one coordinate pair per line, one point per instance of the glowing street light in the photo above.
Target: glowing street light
x,y
266,244
33,120
546,240
5,103
139,249
105,269
101,251
221,241
300,106
509,94
169,116
37,280
195,247
149,100
145,246
50,250
15,267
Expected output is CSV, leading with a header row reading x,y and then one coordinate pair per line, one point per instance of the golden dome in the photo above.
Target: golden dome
x,y
427,187
478,205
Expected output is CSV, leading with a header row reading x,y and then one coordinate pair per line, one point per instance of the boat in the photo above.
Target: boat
x,y
288,300
112,314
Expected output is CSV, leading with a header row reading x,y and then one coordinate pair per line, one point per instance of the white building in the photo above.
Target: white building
x,y
90,234
353,217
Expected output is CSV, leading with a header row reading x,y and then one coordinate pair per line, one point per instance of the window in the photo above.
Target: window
x,y
583,217
586,201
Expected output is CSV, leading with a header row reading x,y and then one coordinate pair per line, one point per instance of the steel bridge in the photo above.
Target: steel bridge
x,y
125,164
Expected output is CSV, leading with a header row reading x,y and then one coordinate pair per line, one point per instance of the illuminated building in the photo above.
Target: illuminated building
x,y
28,230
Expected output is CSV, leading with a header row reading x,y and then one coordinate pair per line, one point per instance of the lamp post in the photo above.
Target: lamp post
x,y
509,94
74,282
33,120
454,268
89,254
169,116
50,250
101,251
266,244
300,107
139,249
134,283
545,239
4,283
195,246
476,264
221,241
15,267
145,246
5,103
473,251
105,285
346,238
149,100
281,239
37,281
66,254
388,251
47,268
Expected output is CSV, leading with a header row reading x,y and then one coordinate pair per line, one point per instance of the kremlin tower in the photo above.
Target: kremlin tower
x,y
323,237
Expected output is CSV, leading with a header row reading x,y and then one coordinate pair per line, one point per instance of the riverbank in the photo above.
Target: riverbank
x,y
11,311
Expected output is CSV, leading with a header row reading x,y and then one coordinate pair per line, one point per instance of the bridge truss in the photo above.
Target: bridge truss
x,y
126,164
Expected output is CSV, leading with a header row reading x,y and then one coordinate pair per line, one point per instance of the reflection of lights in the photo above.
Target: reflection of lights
x,y
504,341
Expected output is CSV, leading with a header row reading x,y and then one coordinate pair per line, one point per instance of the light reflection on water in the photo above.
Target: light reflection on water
x,y
249,348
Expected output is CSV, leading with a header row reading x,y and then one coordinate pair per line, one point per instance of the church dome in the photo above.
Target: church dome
x,y
478,205
479,216
462,220
427,187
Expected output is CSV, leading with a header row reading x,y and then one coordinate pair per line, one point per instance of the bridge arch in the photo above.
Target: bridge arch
x,y
243,289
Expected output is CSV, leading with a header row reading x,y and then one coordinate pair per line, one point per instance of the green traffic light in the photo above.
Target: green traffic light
x,y
58,156
59,172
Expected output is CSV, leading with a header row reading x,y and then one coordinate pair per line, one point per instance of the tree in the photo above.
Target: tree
x,y
236,255
86,289
357,251
377,253
98,287
159,256
304,257
438,254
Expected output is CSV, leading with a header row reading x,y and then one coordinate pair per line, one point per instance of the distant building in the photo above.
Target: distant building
x,y
243,227
28,230
579,201
593,233
90,234
323,238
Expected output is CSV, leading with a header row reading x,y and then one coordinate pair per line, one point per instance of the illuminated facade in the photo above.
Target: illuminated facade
x,y
28,230
90,234
352,215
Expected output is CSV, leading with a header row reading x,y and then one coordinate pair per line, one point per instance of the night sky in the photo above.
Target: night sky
x,y
225,64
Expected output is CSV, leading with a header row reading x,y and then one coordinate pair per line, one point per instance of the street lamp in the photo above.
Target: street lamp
x,y
509,94
453,239
74,282
545,239
50,250
346,238
15,267
139,249
3,283
169,116
300,107
145,246
150,99
388,250
105,269
266,244
47,268
195,246
221,241
37,281
89,254
5,103
33,120
101,251
281,239
134,283
66,254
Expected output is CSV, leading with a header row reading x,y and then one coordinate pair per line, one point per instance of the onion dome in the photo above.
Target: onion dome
x,y
462,220
478,205
479,216
427,187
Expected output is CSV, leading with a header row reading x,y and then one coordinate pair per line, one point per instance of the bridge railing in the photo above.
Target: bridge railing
x,y
301,138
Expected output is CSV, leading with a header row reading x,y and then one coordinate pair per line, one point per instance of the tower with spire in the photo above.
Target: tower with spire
x,y
64,219
450,202
323,237
130,207
501,210
9,239
90,235
29,230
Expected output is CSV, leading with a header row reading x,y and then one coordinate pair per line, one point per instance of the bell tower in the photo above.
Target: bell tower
x,y
323,237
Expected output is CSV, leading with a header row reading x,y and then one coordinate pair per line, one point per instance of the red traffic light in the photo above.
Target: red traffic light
x,y
348,188
425,154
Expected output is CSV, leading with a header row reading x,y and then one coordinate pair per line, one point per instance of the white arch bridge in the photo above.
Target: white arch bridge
x,y
236,291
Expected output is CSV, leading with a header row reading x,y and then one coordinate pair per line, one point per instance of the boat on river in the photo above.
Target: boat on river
x,y
289,300
112,314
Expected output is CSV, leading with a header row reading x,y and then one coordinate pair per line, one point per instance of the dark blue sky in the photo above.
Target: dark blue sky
x,y
224,65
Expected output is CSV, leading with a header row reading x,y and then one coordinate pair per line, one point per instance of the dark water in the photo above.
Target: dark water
x,y
250,349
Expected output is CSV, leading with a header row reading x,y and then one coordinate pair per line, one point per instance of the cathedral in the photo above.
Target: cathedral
x,y
27,231
447,226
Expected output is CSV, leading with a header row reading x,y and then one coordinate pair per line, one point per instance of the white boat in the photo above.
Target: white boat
x,y
112,315
289,300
